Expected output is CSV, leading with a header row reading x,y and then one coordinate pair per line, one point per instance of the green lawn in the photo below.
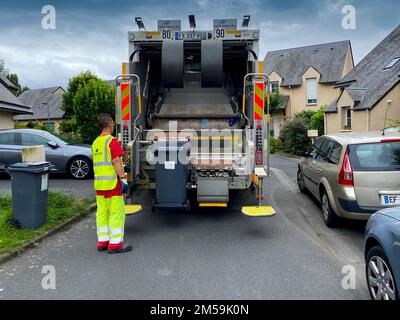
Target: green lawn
x,y
60,208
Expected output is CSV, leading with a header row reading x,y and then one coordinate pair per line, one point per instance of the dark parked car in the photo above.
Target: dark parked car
x,y
75,160
382,254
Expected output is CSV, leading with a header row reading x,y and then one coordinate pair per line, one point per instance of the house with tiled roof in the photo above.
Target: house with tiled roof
x,y
46,107
10,105
306,77
370,94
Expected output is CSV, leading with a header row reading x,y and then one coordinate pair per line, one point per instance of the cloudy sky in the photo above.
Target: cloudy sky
x,y
92,34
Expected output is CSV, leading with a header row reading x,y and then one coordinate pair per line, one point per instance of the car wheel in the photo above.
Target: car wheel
x,y
300,182
330,218
381,283
80,168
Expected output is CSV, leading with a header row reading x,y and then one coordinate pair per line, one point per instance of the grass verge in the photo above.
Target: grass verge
x,y
60,208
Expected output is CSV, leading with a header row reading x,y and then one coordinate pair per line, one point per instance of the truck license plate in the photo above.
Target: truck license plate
x,y
190,35
391,200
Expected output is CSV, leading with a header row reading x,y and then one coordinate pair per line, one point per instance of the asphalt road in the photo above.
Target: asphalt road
x,y
207,254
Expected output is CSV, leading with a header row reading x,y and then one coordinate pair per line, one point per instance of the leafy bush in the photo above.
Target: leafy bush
x,y
273,144
305,115
294,133
395,124
68,126
30,125
317,121
70,137
294,136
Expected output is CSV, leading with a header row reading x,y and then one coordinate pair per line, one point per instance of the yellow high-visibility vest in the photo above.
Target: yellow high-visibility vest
x,y
105,177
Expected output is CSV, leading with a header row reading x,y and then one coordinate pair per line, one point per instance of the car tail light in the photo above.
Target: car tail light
x,y
346,172
390,140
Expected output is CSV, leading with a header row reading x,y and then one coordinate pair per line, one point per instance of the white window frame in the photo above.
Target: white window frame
x,y
312,91
346,118
277,86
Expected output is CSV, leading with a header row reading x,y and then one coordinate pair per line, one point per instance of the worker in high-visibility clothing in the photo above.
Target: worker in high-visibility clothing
x,y
109,183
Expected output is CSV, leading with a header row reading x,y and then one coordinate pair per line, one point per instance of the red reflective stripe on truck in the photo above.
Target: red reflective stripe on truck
x,y
125,101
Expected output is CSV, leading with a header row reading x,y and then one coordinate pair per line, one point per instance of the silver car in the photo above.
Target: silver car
x,y
75,160
353,175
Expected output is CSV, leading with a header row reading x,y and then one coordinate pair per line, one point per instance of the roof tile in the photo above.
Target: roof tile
x,y
371,77
36,99
328,59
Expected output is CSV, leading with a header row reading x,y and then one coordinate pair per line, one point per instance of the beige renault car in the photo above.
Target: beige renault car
x,y
353,175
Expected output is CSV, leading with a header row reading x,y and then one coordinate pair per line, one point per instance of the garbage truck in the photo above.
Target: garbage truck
x,y
192,114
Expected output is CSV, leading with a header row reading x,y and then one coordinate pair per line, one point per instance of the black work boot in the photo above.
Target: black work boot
x,y
123,249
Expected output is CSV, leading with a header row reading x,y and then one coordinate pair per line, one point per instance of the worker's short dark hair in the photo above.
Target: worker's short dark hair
x,y
104,120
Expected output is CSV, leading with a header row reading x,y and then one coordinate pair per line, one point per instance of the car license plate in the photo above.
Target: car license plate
x,y
391,200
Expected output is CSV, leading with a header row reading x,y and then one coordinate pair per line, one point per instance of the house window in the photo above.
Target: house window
x,y
346,112
274,87
312,91
391,64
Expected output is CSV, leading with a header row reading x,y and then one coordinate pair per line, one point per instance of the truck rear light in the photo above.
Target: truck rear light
x,y
346,172
259,158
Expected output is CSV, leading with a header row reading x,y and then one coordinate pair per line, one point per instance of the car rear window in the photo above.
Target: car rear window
x,y
383,156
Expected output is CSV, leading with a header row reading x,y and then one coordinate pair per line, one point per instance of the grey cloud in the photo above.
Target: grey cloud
x,y
93,35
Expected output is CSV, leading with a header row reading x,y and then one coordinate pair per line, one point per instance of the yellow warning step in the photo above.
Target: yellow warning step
x,y
213,205
132,209
258,211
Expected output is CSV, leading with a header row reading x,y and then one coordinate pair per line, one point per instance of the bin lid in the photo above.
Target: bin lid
x,y
34,167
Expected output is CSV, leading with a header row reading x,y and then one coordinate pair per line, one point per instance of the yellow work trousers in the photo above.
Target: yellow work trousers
x,y
110,219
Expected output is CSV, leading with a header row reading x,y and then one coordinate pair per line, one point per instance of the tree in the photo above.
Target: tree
x,y
68,99
91,100
14,80
3,69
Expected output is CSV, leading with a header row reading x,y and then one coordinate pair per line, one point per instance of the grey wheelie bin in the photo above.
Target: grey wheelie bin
x,y
171,175
29,187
